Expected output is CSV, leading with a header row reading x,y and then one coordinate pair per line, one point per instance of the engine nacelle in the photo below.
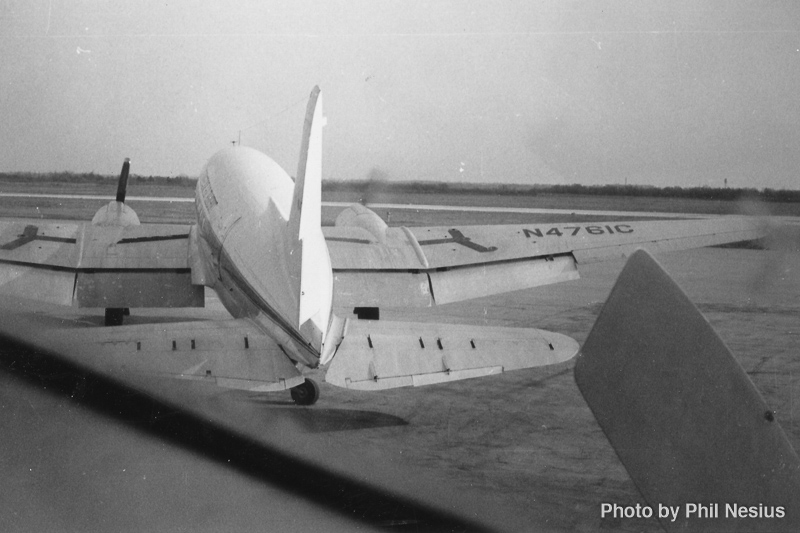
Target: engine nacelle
x,y
116,213
356,215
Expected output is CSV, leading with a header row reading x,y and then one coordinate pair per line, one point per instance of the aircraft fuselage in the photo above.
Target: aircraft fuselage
x,y
243,201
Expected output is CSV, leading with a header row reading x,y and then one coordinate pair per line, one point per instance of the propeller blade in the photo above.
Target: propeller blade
x,y
122,185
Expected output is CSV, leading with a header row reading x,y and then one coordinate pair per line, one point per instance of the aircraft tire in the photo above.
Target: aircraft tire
x,y
305,394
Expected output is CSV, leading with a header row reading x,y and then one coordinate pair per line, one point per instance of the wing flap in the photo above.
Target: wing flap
x,y
138,289
377,289
42,284
377,355
421,289
484,280
97,266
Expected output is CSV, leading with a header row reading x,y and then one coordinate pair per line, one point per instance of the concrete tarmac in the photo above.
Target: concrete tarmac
x,y
525,440
408,207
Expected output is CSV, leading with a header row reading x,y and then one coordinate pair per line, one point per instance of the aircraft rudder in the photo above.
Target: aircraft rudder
x,y
306,211
306,243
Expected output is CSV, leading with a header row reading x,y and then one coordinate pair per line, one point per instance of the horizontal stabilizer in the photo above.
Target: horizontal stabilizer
x,y
228,353
681,413
378,355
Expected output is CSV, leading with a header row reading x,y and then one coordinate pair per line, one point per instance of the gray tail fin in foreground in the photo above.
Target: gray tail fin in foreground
x,y
681,413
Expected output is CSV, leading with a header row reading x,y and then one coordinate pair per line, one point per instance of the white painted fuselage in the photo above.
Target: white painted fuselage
x,y
251,259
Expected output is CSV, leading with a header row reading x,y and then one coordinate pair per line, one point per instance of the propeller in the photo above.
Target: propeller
x,y
116,212
374,185
122,185
780,263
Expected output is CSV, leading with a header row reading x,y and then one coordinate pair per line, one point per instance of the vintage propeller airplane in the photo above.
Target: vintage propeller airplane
x,y
259,244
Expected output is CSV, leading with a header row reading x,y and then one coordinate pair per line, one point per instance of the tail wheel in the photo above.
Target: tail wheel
x,y
306,394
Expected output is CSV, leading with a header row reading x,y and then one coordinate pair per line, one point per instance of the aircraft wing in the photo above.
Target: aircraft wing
x,y
377,355
434,265
86,265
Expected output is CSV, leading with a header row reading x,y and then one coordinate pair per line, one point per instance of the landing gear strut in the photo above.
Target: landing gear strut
x,y
114,316
306,394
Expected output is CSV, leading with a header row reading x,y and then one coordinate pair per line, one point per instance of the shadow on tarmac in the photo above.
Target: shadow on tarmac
x,y
324,420
353,499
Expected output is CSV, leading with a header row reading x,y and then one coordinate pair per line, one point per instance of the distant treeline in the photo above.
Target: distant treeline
x,y
91,178
365,188
703,193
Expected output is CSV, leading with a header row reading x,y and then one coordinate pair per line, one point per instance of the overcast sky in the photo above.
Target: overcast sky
x,y
549,91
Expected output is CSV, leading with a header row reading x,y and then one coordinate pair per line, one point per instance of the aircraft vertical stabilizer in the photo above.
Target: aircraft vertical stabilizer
x,y
306,241
306,214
